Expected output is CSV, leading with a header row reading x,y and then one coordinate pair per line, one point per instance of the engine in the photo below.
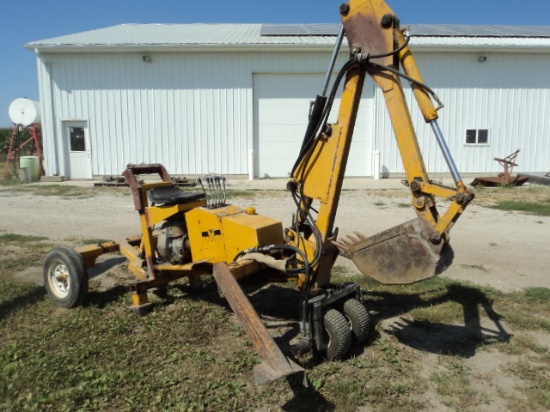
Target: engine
x,y
173,241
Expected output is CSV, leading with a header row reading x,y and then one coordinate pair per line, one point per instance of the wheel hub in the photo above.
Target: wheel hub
x,y
59,280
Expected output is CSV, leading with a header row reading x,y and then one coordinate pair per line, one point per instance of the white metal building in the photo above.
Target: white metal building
x,y
200,97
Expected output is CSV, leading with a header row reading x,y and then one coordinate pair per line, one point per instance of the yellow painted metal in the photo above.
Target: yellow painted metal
x,y
373,34
157,214
90,253
243,231
385,39
321,175
139,298
204,229
130,249
138,268
148,218
218,235
190,267
144,187
425,102
148,244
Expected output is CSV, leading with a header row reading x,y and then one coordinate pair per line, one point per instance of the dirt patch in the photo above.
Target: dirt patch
x,y
506,250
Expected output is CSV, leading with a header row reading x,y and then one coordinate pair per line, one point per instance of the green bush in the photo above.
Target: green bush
x,y
20,138
5,135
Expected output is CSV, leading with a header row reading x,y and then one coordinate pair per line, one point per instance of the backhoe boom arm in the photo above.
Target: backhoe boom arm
x,y
379,48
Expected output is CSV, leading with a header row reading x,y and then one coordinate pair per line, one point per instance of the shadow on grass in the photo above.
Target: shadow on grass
x,y
440,338
104,266
102,299
306,398
34,294
278,307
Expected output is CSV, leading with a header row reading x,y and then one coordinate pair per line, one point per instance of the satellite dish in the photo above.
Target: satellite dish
x,y
25,112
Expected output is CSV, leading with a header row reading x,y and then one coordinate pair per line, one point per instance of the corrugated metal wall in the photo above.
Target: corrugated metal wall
x,y
187,113
192,112
509,94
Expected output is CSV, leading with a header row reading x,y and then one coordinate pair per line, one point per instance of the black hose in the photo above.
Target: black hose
x,y
313,128
304,308
393,52
410,79
321,101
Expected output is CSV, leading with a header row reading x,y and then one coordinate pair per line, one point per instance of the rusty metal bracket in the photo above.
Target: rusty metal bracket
x,y
275,364
505,178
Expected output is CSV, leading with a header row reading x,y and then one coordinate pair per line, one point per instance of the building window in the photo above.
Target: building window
x,y
477,136
78,144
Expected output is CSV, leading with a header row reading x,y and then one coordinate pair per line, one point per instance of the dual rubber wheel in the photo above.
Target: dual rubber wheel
x,y
342,328
65,277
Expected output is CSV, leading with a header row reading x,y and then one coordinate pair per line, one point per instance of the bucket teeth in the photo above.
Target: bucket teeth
x,y
344,244
357,238
400,255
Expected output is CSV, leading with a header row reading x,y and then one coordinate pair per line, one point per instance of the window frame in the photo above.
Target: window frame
x,y
486,131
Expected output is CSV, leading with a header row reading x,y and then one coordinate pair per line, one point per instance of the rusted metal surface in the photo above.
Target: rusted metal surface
x,y
370,31
275,364
120,181
131,175
112,181
500,181
400,255
505,178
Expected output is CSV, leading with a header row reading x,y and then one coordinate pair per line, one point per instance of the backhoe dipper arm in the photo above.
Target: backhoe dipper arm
x,y
378,47
371,27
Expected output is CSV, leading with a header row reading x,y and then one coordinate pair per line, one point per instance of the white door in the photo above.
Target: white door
x,y
281,108
77,144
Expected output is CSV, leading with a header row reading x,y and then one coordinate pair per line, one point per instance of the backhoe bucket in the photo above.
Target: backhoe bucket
x,y
400,255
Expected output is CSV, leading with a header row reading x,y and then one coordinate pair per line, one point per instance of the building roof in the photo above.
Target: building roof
x,y
230,36
417,30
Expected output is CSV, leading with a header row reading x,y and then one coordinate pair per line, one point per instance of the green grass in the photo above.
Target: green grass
x,y
535,208
102,357
61,191
453,385
12,238
18,252
537,387
189,353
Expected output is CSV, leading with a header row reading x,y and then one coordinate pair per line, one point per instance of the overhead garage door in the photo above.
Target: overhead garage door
x,y
281,107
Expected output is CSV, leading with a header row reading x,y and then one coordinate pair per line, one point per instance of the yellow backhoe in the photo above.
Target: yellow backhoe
x,y
191,234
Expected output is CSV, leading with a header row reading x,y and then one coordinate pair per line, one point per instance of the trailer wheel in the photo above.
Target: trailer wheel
x,y
339,334
358,318
65,277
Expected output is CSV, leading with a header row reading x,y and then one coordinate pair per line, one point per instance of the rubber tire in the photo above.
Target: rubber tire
x,y
67,260
339,334
358,319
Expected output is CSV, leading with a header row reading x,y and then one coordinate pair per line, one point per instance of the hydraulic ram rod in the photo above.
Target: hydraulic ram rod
x,y
446,152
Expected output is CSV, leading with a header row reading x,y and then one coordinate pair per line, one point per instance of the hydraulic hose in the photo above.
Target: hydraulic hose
x,y
304,309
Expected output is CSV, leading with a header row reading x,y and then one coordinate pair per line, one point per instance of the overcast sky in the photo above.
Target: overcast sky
x,y
31,20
